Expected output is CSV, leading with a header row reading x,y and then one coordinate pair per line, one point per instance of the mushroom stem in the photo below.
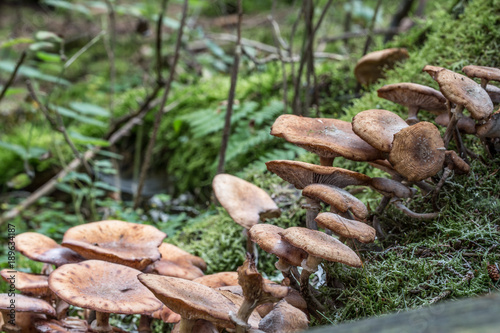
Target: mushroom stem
x,y
244,313
375,222
251,246
446,173
310,265
145,324
186,325
484,82
286,270
399,205
313,207
412,115
455,115
461,147
101,323
326,161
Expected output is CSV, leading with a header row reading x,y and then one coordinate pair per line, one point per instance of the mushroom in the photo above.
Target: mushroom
x,y
302,174
417,151
246,203
465,124
486,74
20,312
41,248
29,284
66,325
179,263
494,93
346,228
131,244
415,97
319,246
463,92
371,66
326,137
491,128
268,238
377,127
104,287
191,300
284,318
220,279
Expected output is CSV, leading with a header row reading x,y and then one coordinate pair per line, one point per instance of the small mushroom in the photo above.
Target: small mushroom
x,y
377,127
284,318
246,203
346,228
372,66
217,280
494,93
179,263
131,244
191,300
464,93
20,312
319,246
415,97
29,284
417,151
328,138
104,287
486,74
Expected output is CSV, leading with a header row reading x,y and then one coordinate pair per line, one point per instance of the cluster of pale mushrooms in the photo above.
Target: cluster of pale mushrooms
x,y
117,267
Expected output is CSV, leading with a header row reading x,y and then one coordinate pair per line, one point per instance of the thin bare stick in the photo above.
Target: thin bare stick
x,y
399,205
370,29
159,25
278,41
159,113
83,49
232,91
110,50
58,125
13,75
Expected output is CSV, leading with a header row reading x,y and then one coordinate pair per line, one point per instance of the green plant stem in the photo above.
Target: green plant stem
x,y
231,97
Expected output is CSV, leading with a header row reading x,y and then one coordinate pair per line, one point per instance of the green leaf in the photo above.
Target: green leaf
x,y
109,154
82,139
48,36
72,176
89,109
19,181
72,114
12,91
41,46
68,5
177,124
16,41
106,186
8,66
32,152
48,57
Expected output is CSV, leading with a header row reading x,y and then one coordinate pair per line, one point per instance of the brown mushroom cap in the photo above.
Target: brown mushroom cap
x,y
491,128
220,279
190,299
131,244
326,137
391,188
346,228
268,238
482,72
68,324
417,151
371,67
338,198
284,318
26,304
454,162
29,284
179,263
464,124
321,245
174,253
377,127
494,93
301,174
104,287
166,315
246,203
41,248
461,90
413,94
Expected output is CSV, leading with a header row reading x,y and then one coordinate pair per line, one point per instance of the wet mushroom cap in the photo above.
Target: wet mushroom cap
x,y
346,228
371,67
190,299
338,198
413,94
461,90
482,72
268,238
246,203
104,287
321,245
29,284
301,174
377,127
131,244
41,248
326,137
27,304
418,151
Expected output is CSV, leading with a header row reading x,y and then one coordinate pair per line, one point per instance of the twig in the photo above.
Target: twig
x,y
83,49
58,126
290,50
159,25
278,40
232,90
357,34
110,50
13,75
372,25
159,113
